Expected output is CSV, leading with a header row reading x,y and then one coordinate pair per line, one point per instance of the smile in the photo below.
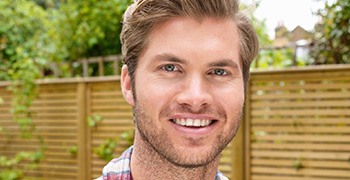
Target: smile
x,y
192,122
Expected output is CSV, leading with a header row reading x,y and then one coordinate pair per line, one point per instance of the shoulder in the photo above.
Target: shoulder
x,y
118,168
220,176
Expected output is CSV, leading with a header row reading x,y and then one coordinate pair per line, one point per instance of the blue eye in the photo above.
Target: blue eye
x,y
169,67
219,72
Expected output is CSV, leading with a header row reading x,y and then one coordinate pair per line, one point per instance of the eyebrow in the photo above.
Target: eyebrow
x,y
225,63
169,58
220,63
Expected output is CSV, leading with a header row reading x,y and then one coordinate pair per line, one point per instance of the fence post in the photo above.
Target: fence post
x,y
83,172
238,156
116,65
101,69
295,54
246,133
85,68
88,136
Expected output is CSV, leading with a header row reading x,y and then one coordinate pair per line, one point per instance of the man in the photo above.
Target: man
x,y
186,66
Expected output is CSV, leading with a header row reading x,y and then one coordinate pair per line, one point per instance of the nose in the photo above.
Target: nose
x,y
195,93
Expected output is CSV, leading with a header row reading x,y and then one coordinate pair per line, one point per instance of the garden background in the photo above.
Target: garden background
x,y
62,115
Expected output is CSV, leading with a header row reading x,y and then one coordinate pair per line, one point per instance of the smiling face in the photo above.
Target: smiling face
x,y
189,89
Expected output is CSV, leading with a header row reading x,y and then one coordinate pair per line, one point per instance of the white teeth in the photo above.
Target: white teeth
x,y
183,122
189,122
197,123
192,122
203,123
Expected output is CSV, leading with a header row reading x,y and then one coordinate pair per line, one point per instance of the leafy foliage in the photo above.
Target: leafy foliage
x,y
94,120
332,34
298,163
9,171
106,150
73,150
45,36
33,38
86,29
22,40
23,47
259,25
275,58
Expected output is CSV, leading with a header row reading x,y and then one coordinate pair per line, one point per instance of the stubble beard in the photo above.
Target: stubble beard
x,y
159,141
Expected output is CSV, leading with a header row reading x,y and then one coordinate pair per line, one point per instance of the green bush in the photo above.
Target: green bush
x,y
332,35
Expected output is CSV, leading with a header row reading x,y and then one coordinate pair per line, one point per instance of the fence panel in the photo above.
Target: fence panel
x,y
55,119
106,101
299,124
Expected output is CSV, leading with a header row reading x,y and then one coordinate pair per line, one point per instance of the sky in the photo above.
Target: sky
x,y
291,12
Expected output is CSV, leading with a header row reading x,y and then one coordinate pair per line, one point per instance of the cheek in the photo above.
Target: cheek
x,y
232,100
233,92
234,108
153,96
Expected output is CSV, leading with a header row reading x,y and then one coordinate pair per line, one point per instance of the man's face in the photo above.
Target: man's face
x,y
189,89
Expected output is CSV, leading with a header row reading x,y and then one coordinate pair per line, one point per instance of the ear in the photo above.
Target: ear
x,y
127,86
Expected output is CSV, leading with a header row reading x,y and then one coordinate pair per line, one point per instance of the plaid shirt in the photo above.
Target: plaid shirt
x,y
119,168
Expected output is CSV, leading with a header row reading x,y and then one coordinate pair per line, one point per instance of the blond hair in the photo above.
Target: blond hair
x,y
143,15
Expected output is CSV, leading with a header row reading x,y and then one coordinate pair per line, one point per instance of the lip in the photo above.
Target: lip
x,y
193,116
193,132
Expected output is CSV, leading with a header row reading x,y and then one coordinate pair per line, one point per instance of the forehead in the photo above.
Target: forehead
x,y
193,38
196,27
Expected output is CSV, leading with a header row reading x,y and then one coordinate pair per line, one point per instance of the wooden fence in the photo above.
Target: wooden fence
x,y
60,115
296,126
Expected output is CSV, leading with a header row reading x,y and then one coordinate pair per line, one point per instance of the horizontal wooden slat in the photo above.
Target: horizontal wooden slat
x,y
116,114
302,129
302,104
289,177
304,162
301,154
57,95
40,102
302,121
34,146
307,138
300,86
120,101
301,75
302,146
62,129
65,141
46,174
56,114
304,96
302,112
66,108
305,172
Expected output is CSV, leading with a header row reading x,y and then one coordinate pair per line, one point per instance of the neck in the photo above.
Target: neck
x,y
148,164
